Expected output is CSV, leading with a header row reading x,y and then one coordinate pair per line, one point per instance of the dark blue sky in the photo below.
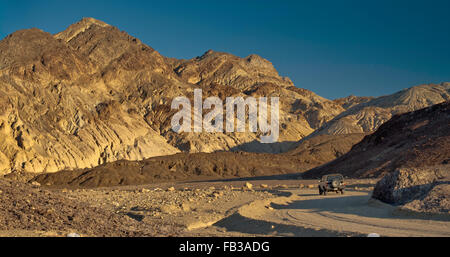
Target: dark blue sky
x,y
334,48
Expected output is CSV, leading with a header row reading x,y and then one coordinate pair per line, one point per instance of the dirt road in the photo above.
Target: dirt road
x,y
353,214
267,206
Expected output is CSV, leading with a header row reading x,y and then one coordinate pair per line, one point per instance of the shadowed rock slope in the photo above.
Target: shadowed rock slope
x,y
178,167
415,139
325,148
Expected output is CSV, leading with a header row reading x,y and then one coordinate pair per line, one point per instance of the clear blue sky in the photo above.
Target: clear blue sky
x,y
334,48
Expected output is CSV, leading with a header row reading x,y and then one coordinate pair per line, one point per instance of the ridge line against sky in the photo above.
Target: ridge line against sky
x,y
334,48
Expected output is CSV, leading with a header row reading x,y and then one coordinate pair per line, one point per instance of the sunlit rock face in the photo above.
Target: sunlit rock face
x,y
93,94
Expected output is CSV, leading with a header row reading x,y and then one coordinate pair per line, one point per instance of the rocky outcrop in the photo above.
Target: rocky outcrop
x,y
436,201
407,184
350,101
418,189
229,70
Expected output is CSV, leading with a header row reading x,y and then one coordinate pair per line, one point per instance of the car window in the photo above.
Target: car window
x,y
330,178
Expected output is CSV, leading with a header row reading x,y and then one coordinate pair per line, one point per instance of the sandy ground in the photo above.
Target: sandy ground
x,y
269,207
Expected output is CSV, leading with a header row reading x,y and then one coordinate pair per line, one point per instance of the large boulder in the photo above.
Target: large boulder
x,y
407,184
435,201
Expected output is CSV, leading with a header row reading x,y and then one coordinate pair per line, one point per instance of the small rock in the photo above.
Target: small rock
x,y
35,184
169,209
145,190
73,235
264,186
217,194
248,185
311,186
171,189
185,207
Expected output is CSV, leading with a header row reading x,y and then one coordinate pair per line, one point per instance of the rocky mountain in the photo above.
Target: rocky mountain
x,y
369,114
363,115
93,94
229,70
410,140
57,112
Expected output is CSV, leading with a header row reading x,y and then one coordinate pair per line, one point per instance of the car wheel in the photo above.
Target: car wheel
x,y
335,183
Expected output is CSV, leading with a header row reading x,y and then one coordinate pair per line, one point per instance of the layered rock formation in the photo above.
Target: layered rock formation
x,y
369,114
93,94
59,112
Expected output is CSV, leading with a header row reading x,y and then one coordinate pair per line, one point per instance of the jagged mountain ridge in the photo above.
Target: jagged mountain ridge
x,y
93,94
370,114
221,71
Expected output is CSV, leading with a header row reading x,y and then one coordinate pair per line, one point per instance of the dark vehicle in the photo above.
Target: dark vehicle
x,y
332,182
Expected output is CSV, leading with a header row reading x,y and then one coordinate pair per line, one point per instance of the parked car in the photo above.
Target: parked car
x,y
332,182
